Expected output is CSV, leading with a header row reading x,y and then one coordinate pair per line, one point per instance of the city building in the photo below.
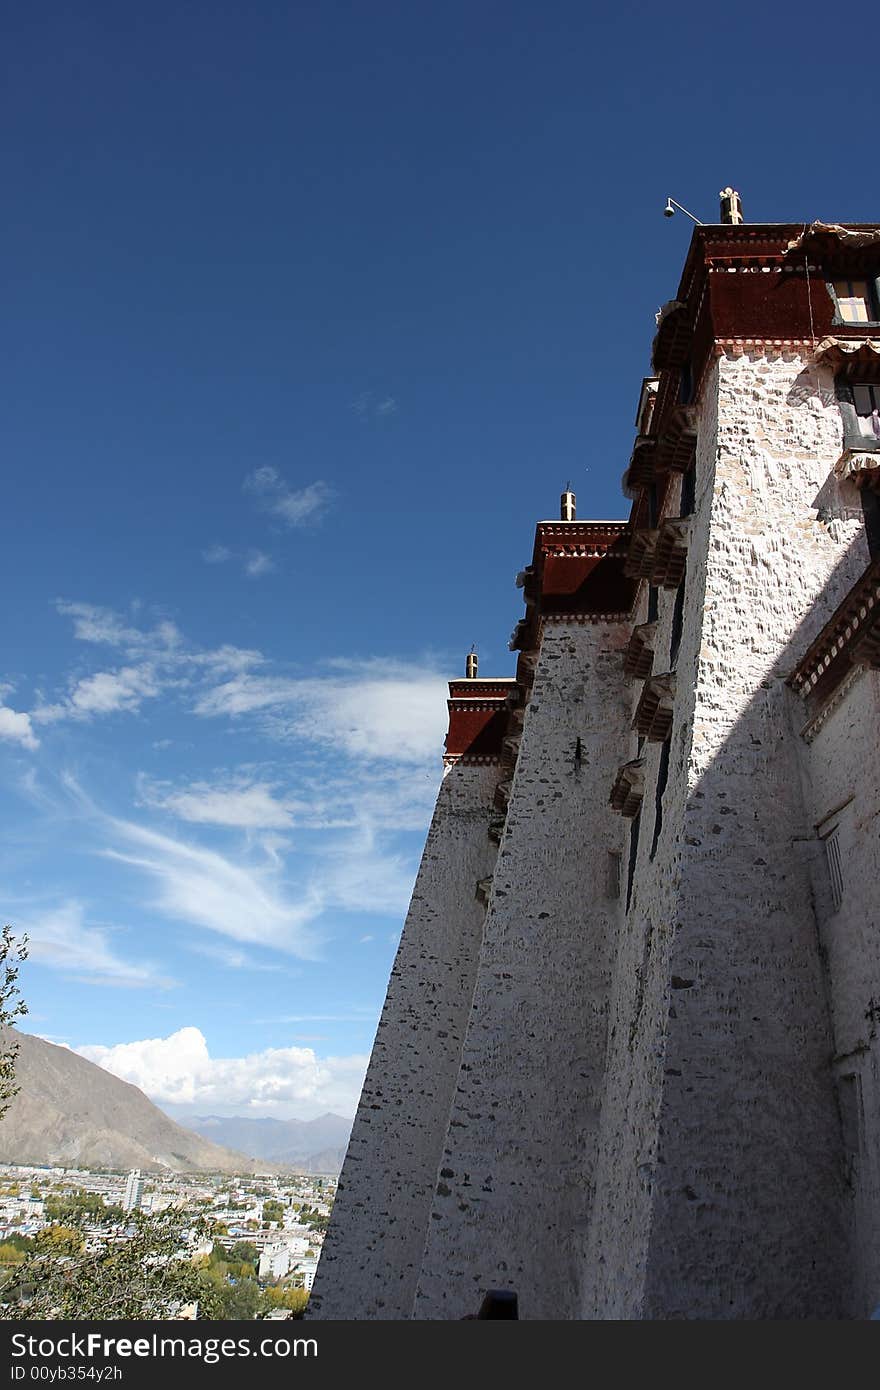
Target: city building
x,y
274,1262
134,1191
627,1065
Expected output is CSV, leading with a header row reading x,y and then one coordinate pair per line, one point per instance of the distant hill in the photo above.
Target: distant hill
x,y
314,1146
72,1113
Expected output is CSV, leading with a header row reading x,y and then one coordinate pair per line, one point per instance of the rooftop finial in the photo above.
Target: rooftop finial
x,y
567,504
731,207
471,664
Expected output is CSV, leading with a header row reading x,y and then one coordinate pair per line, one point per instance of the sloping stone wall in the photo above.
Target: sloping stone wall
x,y
842,767
514,1188
370,1260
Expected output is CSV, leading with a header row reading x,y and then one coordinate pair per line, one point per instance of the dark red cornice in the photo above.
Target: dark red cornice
x,y
478,713
576,571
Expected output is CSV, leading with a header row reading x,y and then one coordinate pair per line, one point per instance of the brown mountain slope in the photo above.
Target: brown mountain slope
x,y
71,1113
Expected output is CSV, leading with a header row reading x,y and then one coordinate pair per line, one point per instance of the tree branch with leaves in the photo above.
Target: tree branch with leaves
x,y
13,951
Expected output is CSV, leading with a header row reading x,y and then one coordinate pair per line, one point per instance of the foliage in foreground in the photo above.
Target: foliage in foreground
x,y
143,1277
149,1275
12,952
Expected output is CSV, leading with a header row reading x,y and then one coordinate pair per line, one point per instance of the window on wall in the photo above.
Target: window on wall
x,y
686,385
871,512
633,855
855,300
835,871
860,408
688,492
866,399
662,779
677,625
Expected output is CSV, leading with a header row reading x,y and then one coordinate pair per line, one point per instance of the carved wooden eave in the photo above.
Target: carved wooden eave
x,y
653,716
675,332
677,444
641,470
859,352
640,557
639,655
851,637
861,466
670,552
629,788
831,236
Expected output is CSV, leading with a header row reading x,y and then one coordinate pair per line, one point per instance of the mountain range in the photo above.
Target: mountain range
x,y
70,1113
314,1146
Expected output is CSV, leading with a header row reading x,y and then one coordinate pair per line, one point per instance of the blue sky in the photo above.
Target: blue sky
x,y
311,310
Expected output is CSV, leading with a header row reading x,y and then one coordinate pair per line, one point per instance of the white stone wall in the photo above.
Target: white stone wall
x,y
746,1198
374,1243
619,1233
842,774
514,1187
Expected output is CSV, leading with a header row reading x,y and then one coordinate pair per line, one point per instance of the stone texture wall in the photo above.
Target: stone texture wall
x,y
747,1194
371,1256
514,1189
842,775
619,1234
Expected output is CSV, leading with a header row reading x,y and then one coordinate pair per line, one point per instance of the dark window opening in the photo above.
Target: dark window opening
x,y
653,603
688,492
686,385
633,854
677,625
860,411
662,779
871,510
866,399
653,505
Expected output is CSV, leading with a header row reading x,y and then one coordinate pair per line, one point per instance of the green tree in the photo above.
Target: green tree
x,y
144,1277
285,1296
12,952
245,1252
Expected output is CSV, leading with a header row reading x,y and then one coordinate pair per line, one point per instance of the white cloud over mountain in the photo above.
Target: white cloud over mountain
x,y
279,1081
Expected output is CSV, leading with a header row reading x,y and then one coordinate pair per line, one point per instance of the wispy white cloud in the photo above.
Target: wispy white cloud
x,y
371,709
92,623
61,940
258,563
367,405
216,555
179,1070
15,727
295,507
212,891
244,807
157,660
106,692
236,959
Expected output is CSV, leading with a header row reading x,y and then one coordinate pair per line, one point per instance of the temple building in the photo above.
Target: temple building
x,y
628,1065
